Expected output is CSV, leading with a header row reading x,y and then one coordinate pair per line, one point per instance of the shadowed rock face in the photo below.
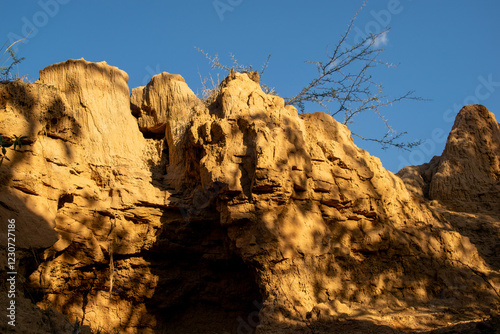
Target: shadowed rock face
x,y
466,176
154,213
469,168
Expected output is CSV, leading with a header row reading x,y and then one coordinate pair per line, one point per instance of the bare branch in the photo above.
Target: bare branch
x,y
344,86
9,59
210,86
264,67
390,140
214,61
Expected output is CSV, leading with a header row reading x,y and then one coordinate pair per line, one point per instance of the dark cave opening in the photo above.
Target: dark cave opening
x,y
204,286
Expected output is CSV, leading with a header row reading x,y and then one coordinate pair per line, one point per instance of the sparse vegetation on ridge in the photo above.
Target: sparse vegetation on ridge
x,y
210,85
8,60
343,86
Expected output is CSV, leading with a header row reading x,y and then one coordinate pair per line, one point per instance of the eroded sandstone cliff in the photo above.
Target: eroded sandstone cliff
x,y
150,212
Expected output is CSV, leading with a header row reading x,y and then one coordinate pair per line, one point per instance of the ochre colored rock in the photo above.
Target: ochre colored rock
x,y
321,220
469,168
77,191
154,213
467,175
163,109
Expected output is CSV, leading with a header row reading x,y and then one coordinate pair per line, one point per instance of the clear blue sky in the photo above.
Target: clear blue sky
x,y
448,50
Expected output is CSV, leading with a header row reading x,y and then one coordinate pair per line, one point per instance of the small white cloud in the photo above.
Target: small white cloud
x,y
332,65
381,39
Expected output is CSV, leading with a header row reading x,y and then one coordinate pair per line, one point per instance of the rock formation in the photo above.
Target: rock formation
x,y
467,175
150,212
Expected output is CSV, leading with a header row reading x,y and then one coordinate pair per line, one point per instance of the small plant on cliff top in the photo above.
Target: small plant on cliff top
x,y
9,59
343,86
210,86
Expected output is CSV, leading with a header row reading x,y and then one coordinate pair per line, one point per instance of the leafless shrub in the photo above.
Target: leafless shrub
x,y
344,88
210,85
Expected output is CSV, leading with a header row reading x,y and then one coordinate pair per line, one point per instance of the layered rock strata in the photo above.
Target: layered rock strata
x,y
151,212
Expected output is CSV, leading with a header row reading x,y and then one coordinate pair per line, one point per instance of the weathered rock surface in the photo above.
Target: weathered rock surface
x,y
152,213
466,176
163,109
